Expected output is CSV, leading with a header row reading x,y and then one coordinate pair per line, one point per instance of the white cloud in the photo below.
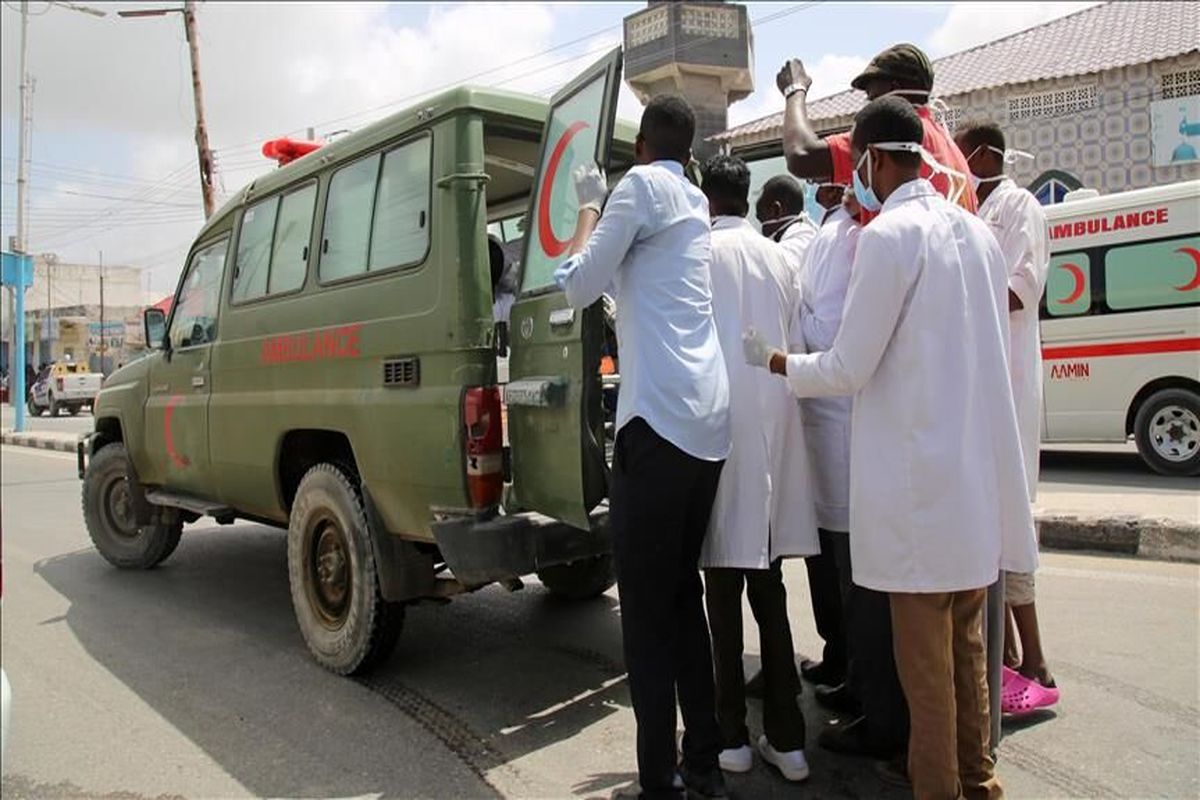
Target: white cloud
x,y
830,74
973,23
114,96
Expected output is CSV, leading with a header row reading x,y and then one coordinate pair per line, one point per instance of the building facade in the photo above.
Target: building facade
x,y
64,318
1107,98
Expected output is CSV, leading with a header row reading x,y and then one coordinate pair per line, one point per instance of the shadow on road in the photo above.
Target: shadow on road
x,y
1115,469
209,641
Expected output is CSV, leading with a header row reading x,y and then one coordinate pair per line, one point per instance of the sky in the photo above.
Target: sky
x,y
114,158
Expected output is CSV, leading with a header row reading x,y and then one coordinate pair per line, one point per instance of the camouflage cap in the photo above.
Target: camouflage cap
x,y
905,63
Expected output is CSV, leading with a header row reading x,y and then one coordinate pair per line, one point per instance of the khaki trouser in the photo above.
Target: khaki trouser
x,y
938,641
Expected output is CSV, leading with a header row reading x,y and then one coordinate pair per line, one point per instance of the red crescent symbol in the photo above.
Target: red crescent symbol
x,y
551,244
1077,273
1194,283
178,460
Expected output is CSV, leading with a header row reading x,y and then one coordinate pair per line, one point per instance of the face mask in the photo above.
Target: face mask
x,y
941,111
958,181
1009,156
865,194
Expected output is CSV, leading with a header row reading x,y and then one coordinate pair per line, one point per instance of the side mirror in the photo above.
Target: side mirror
x,y
154,325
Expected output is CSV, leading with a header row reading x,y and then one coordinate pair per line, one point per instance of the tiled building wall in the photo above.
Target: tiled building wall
x,y
1105,147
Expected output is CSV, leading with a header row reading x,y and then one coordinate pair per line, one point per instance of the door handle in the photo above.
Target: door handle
x,y
197,381
562,317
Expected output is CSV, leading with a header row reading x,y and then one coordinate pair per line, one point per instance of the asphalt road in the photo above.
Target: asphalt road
x,y
191,680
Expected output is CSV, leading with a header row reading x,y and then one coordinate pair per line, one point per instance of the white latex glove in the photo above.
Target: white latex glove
x,y
758,353
590,186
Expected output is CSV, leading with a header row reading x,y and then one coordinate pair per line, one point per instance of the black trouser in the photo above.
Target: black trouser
x,y
782,720
661,501
871,670
826,594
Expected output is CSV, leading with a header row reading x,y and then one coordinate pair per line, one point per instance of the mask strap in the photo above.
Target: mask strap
x,y
958,181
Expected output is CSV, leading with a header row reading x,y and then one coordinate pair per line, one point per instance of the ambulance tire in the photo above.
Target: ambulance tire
x,y
579,580
348,626
1165,413
108,514
54,407
34,411
73,410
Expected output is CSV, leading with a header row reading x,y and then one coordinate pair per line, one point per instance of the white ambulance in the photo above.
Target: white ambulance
x,y
1120,323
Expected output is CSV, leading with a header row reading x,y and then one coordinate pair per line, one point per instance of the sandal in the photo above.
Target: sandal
x,y
1020,695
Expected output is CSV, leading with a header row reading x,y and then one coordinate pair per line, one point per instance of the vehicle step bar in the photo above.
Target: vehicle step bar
x,y
204,508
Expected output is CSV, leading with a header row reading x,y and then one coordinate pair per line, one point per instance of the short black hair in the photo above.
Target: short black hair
x,y
668,127
889,119
726,180
785,190
981,133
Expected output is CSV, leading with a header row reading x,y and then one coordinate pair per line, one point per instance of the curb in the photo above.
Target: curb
x,y
39,441
1141,537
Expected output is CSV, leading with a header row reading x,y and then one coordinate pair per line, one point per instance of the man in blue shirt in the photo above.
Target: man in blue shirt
x,y
650,249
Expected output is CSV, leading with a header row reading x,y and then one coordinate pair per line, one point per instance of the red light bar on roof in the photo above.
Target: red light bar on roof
x,y
287,150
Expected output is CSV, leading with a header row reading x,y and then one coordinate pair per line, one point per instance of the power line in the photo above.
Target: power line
x,y
764,20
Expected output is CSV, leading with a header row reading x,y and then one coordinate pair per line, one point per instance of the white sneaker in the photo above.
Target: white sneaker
x,y
792,764
737,759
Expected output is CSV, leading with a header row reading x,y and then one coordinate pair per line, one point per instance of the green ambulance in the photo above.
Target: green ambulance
x,y
330,366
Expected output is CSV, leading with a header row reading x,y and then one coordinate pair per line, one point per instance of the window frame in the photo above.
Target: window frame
x,y
227,238
382,153
236,240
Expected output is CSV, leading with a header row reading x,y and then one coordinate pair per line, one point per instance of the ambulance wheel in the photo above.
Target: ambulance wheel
x,y
579,580
1167,432
34,411
348,626
73,410
109,516
53,406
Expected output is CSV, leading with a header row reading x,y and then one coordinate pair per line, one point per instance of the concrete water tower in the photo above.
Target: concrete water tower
x,y
701,50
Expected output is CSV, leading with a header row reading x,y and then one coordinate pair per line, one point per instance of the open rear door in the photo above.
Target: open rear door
x,y
556,427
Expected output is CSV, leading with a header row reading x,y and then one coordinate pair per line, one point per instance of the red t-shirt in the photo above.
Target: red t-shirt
x,y
936,141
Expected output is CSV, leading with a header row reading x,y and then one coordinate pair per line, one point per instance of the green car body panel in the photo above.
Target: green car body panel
x,y
233,417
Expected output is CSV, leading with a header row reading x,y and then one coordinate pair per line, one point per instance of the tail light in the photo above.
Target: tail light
x,y
59,383
484,445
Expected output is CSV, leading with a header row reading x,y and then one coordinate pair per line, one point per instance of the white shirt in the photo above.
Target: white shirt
x,y
764,504
796,238
1019,224
938,501
651,246
823,283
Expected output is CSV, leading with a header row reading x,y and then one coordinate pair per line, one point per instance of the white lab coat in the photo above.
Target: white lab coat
x,y
796,238
1019,224
938,501
823,283
764,504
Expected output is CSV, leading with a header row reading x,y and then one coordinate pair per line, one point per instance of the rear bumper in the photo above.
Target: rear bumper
x,y
479,552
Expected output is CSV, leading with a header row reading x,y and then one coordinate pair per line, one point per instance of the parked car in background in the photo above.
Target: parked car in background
x,y
63,385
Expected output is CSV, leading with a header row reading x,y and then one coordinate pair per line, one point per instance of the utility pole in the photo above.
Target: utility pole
x,y
103,332
23,137
20,241
203,153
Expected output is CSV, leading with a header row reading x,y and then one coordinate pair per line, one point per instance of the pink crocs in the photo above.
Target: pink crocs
x,y
1020,695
